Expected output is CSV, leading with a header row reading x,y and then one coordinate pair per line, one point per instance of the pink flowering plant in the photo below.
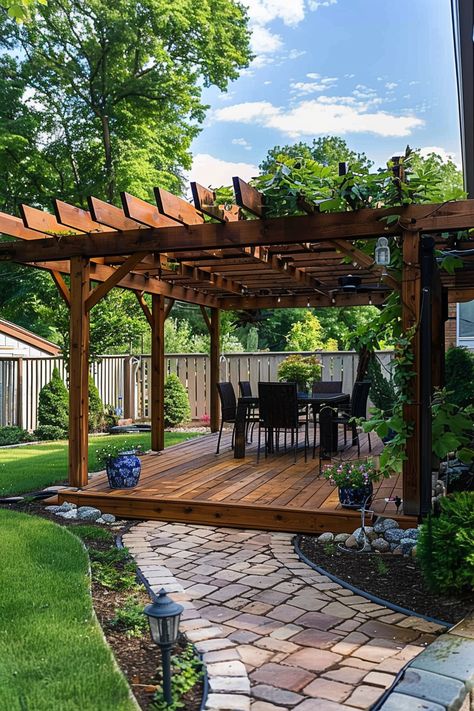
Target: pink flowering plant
x,y
355,475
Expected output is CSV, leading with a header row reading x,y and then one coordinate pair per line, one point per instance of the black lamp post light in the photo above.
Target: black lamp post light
x,y
163,616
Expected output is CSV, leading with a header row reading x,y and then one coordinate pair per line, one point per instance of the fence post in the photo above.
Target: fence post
x,y
128,389
19,393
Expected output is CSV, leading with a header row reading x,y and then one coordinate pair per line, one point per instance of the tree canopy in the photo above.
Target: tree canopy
x,y
107,96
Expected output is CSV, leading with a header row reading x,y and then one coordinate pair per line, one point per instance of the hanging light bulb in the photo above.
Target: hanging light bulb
x,y
382,252
370,301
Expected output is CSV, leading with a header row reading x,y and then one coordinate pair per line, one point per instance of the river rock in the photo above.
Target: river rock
x,y
406,545
52,509
326,537
359,535
384,524
108,518
381,545
412,533
394,535
351,542
67,506
88,513
341,537
397,550
72,513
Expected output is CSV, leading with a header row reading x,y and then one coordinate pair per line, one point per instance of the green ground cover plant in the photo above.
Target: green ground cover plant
x,y
52,652
26,469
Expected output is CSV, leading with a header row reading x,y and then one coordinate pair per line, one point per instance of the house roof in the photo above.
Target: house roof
x,y
25,336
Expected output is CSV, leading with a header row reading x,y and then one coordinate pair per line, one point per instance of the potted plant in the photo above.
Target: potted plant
x,y
354,481
302,370
122,464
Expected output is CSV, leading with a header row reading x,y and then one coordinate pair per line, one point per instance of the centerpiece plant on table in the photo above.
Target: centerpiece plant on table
x,y
354,480
122,464
302,370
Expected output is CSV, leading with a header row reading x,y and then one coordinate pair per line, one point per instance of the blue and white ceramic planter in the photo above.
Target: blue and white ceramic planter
x,y
351,498
123,471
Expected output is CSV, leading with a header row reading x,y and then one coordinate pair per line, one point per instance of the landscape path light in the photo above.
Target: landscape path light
x,y
163,616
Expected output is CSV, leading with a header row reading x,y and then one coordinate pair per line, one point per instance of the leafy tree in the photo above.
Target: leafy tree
x,y
305,335
460,376
118,86
327,150
20,9
96,408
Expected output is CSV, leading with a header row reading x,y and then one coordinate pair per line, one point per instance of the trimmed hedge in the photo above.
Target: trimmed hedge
x,y
176,402
53,405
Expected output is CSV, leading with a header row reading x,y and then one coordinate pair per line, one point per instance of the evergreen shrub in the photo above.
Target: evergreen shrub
x,y
460,376
96,408
176,401
445,547
53,405
14,435
50,433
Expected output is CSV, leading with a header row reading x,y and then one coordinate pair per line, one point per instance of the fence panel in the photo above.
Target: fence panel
x,y
21,379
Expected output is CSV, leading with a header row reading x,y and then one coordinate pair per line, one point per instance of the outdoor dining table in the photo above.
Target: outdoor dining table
x,y
324,403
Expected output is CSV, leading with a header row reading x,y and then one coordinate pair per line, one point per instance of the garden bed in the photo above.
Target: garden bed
x,y
393,578
118,600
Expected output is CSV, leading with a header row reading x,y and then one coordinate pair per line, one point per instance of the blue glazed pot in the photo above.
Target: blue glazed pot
x,y
351,498
123,471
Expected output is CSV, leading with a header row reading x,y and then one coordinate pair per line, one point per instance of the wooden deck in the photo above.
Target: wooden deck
x,y
190,483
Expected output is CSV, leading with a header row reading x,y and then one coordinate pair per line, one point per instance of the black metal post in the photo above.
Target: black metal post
x,y
426,387
166,666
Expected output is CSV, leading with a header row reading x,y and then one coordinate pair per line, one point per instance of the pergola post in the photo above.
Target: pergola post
x,y
79,373
157,372
215,360
411,305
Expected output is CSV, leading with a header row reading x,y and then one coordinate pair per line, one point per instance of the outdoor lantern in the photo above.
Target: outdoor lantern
x,y
163,616
382,252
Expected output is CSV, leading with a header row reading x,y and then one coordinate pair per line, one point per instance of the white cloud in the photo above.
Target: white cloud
x,y
315,4
390,85
295,53
307,87
263,41
332,115
214,172
313,75
442,152
242,142
262,12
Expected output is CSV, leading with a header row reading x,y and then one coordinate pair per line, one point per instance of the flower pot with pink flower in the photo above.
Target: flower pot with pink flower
x,y
354,480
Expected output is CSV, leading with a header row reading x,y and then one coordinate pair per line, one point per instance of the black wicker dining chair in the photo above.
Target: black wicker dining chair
x,y
245,390
228,409
278,410
357,408
321,387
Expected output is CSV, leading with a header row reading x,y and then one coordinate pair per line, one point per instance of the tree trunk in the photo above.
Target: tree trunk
x,y
109,167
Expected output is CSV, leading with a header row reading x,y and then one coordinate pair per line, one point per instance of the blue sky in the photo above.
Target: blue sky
x,y
380,73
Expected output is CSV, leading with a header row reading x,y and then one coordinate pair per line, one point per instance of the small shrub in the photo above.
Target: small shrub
x,y
460,376
129,618
176,402
303,370
53,405
445,547
49,433
14,435
110,417
96,408
382,391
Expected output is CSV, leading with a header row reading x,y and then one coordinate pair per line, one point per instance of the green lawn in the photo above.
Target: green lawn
x,y
52,652
25,469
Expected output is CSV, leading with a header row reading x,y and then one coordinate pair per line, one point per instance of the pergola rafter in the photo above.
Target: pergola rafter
x,y
209,255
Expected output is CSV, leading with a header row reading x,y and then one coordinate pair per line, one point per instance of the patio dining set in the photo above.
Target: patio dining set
x,y
281,413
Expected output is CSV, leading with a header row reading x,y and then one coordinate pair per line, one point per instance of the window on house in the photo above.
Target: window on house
x,y
466,320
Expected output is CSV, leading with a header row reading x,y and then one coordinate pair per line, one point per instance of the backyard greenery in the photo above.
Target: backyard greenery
x,y
47,624
30,468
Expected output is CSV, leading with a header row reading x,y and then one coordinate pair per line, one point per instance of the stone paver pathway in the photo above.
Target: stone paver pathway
x,y
275,634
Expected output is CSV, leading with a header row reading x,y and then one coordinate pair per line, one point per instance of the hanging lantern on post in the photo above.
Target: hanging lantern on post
x,y
382,252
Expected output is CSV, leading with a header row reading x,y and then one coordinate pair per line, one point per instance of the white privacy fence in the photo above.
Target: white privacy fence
x,y
124,381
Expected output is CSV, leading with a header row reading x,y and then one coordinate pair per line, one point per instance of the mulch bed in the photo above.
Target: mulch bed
x,y
393,578
138,657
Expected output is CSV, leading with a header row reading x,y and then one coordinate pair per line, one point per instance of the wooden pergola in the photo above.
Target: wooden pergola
x,y
211,255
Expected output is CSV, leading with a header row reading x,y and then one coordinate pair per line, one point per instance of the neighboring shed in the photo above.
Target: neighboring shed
x,y
16,341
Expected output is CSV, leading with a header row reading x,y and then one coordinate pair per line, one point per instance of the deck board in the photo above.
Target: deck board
x,y
188,482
